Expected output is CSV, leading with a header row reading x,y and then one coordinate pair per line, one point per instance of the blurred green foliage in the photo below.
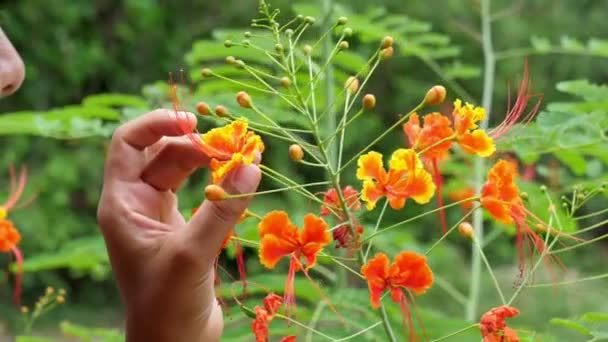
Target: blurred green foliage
x,y
95,65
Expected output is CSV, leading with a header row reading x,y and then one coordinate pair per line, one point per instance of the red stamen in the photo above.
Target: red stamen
x,y
426,337
18,275
289,296
407,317
521,103
240,263
17,187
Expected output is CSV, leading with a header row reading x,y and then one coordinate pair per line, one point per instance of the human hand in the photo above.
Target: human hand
x,y
163,264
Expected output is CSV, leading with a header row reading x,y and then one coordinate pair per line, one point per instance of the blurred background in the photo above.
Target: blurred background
x,y
93,64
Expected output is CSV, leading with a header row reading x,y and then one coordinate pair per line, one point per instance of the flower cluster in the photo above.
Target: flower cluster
x,y
493,326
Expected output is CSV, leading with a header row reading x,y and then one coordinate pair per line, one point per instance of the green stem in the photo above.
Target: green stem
x,y
386,324
456,332
488,88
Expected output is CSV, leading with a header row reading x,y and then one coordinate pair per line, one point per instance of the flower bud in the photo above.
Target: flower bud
x,y
342,21
206,72
24,310
386,42
344,45
300,17
310,20
524,195
230,60
351,85
228,43
296,153
247,34
203,108
246,43
240,64
307,50
466,230
348,32
369,101
243,99
285,82
435,95
49,290
221,111
215,193
60,299
278,48
289,32
387,53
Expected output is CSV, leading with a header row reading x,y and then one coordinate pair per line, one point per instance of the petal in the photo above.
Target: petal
x,y
371,193
404,159
314,237
412,129
421,187
478,143
277,223
395,202
221,168
370,166
272,249
375,272
410,270
437,127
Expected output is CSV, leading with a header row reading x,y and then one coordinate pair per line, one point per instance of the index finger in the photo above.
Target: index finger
x,y
125,158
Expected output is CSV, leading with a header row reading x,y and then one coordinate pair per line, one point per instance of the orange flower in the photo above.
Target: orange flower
x,y
343,233
9,236
406,178
493,327
500,197
434,137
279,238
409,272
469,135
229,146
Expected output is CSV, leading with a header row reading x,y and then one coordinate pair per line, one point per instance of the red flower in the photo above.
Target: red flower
x,y
493,326
434,137
263,316
409,272
343,233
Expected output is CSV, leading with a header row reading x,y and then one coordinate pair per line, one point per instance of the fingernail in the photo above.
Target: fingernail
x,y
244,179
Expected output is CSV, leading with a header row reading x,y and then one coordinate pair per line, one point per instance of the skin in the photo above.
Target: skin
x,y
163,265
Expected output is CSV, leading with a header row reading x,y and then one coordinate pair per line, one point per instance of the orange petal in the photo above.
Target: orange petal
x,y
313,238
370,166
9,236
278,223
376,273
478,143
437,127
371,193
404,159
272,249
421,187
410,270
466,117
412,129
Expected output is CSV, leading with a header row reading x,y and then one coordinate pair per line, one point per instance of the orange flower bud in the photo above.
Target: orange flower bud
x,y
435,95
387,53
285,82
215,193
369,101
296,153
387,42
466,230
203,108
206,72
243,99
351,85
221,111
344,45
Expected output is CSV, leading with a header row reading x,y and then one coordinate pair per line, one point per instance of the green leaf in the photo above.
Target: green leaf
x,y
584,89
571,325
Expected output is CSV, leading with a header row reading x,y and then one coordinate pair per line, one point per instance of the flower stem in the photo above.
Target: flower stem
x,y
488,88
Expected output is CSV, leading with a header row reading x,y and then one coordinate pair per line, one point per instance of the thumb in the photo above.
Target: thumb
x,y
214,219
